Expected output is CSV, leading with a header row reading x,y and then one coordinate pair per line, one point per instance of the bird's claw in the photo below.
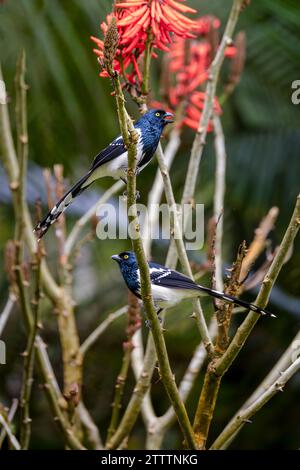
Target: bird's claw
x,y
137,195
148,323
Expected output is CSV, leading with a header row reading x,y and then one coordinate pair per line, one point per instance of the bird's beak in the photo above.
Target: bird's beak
x,y
116,258
168,118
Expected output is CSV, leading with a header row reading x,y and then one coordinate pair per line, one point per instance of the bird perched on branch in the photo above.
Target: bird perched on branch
x,y
112,161
170,287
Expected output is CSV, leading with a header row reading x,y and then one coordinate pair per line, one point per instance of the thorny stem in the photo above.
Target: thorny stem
x,y
220,174
210,92
223,364
175,228
22,148
13,440
147,63
29,357
130,139
209,392
134,404
225,438
134,324
12,168
244,415
7,311
10,416
93,337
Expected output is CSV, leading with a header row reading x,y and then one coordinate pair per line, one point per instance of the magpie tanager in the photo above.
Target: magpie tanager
x,y
112,161
170,287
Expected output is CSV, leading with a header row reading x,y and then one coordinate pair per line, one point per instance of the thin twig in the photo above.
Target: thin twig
x,y
10,416
219,193
260,240
130,138
182,255
133,408
11,165
210,390
210,92
158,426
245,329
162,355
157,189
7,311
244,415
285,360
13,440
90,430
29,357
134,324
93,337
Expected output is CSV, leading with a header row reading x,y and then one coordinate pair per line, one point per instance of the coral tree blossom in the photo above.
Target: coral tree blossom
x,y
186,69
142,22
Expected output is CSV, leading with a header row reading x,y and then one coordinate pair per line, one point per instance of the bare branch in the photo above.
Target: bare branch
x,y
244,415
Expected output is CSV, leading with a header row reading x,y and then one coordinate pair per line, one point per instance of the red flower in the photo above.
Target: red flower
x,y
135,20
186,71
161,17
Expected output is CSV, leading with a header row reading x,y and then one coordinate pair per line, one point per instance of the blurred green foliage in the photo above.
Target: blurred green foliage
x,y
72,115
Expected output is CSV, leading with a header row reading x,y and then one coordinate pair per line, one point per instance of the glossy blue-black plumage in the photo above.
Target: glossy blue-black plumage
x,y
169,286
112,161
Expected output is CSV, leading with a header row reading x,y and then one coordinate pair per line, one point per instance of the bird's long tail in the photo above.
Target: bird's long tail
x,y
43,226
235,300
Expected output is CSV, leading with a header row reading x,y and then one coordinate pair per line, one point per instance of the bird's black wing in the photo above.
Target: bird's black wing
x,y
113,150
165,277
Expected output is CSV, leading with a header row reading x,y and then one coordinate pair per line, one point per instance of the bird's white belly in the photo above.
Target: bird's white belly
x,y
166,297
116,168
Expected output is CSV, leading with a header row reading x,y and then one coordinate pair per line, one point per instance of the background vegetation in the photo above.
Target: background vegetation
x,y
72,115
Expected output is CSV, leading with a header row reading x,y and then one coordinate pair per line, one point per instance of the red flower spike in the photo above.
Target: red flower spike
x,y
135,18
187,67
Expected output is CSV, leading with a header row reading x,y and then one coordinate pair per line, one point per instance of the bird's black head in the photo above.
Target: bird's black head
x,y
125,258
156,118
129,269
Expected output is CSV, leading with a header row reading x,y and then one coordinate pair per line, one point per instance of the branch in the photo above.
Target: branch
x,y
210,390
135,402
29,357
16,181
134,324
157,189
220,175
283,363
182,255
10,162
10,416
7,311
91,431
223,364
244,415
210,92
93,337
13,440
158,426
130,138
260,240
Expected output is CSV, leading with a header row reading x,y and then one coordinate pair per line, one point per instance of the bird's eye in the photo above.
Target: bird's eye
x,y
125,256
157,114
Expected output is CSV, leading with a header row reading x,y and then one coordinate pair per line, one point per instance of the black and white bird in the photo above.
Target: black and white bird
x,y
112,161
170,287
